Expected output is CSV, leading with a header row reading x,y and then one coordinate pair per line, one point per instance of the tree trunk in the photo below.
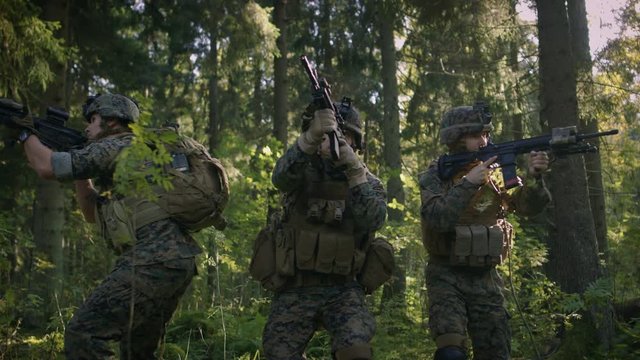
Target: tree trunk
x,y
48,209
280,106
258,97
573,242
516,121
215,123
573,248
579,31
580,45
391,117
391,135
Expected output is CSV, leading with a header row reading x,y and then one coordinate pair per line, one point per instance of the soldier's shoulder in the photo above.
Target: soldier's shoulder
x,y
106,147
429,175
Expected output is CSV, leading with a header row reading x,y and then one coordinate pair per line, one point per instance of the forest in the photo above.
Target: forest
x,y
228,73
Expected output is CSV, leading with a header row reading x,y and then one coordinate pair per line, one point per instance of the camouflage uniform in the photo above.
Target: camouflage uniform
x,y
334,302
469,299
137,299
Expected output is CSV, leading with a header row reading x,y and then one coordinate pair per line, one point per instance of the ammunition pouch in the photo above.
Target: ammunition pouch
x,y
315,245
378,265
481,245
326,252
263,262
322,211
285,252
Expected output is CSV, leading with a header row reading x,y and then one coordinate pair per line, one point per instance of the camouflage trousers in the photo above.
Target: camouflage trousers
x,y
297,313
468,301
132,306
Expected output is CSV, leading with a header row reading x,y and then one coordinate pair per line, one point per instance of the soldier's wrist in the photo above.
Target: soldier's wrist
x,y
356,176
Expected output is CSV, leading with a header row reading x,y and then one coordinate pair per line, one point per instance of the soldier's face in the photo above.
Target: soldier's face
x,y
475,141
94,128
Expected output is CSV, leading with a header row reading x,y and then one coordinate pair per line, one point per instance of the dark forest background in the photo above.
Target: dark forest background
x,y
228,73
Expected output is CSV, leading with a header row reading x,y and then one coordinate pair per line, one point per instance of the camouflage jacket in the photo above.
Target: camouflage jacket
x,y
443,202
367,200
157,242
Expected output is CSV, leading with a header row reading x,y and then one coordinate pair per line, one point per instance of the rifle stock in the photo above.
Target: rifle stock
x,y
51,129
561,142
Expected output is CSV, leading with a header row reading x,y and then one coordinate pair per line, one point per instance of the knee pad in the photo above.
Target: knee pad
x,y
355,352
450,353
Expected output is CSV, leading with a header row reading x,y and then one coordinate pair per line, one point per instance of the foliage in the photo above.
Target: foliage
x,y
168,53
140,166
29,48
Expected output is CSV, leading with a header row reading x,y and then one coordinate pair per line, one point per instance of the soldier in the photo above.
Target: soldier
x,y
331,211
157,257
466,234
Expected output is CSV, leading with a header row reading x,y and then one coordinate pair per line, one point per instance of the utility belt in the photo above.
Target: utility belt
x,y
119,219
471,245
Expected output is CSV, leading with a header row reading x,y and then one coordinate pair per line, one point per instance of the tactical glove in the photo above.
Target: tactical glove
x,y
323,121
355,170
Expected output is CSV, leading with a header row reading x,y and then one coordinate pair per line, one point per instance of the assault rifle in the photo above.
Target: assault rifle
x,y
321,92
562,141
50,130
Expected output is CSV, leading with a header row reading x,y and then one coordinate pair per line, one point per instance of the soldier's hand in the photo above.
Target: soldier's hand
x,y
355,170
479,175
538,162
323,121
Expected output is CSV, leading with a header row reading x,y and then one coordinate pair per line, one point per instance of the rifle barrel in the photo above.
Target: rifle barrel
x,y
597,134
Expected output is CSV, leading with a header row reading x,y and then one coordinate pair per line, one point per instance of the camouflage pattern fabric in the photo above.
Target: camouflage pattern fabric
x,y
152,274
367,200
459,121
108,314
464,299
297,313
94,161
443,202
469,300
112,105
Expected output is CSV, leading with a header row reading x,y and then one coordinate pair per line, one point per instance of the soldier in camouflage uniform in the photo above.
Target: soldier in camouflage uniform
x,y
466,234
157,259
332,209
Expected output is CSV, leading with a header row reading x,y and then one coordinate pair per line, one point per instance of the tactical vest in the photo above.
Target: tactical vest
x,y
481,237
318,230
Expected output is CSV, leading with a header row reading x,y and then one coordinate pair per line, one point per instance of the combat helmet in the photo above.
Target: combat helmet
x,y
464,120
351,119
111,106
